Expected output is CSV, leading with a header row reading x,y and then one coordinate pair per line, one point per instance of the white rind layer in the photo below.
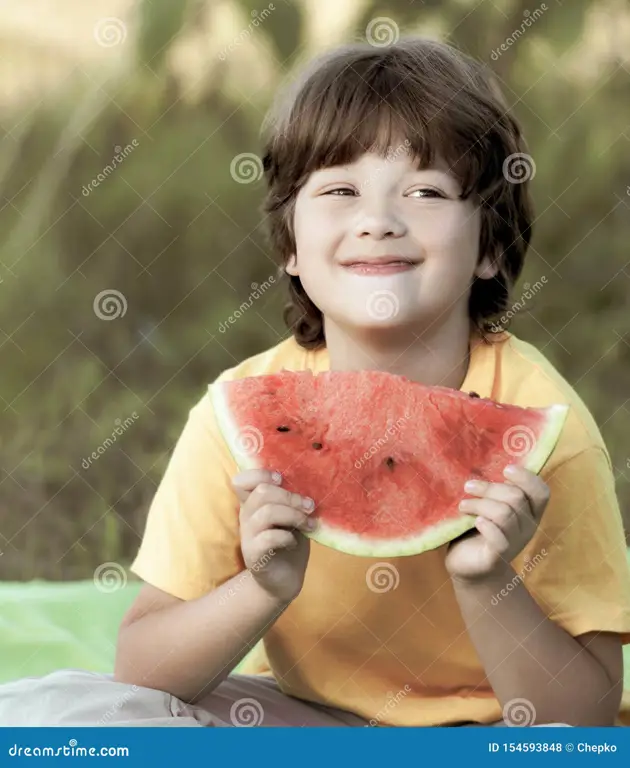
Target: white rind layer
x,y
230,430
357,544
556,416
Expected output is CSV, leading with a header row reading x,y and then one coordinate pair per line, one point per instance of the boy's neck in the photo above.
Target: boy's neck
x,y
436,356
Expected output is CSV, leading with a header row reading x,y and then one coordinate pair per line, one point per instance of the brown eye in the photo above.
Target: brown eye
x,y
434,192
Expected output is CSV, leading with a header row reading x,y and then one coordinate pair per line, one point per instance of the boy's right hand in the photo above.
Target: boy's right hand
x,y
271,518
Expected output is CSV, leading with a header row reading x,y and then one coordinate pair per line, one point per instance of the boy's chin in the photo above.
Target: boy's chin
x,y
385,325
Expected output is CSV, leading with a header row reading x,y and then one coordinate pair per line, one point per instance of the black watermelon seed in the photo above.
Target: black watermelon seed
x,y
317,446
283,429
473,394
390,462
475,471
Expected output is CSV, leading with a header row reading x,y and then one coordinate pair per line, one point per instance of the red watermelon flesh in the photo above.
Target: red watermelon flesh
x,y
384,458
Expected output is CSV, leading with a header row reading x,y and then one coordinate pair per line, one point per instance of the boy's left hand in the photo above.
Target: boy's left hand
x,y
508,515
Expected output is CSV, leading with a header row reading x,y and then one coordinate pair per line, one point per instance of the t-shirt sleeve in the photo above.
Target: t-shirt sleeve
x,y
191,542
576,566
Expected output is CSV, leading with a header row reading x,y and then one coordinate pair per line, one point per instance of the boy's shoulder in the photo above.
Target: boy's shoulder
x,y
528,378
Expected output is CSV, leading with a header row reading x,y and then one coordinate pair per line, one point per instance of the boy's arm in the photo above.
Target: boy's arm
x,y
538,671
189,647
544,588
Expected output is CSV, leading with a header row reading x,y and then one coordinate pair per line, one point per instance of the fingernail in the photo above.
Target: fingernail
x,y
308,503
276,477
473,486
463,505
510,470
311,524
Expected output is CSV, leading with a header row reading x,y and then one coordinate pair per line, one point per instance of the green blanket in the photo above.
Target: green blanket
x,y
47,625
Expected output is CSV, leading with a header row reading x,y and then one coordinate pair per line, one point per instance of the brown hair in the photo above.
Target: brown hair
x,y
447,105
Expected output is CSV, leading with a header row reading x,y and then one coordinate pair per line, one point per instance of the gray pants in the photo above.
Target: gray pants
x,y
74,697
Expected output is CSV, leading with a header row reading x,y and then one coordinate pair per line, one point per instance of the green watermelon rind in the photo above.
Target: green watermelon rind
x,y
357,544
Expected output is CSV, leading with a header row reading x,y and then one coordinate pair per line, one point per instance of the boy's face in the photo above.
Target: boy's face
x,y
383,207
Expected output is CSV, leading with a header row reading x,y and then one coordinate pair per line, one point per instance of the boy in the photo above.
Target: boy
x,y
402,231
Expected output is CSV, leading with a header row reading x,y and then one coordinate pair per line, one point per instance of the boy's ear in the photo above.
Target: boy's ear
x,y
291,266
487,268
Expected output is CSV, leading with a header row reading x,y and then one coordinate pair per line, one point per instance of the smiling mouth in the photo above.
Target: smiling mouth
x,y
372,268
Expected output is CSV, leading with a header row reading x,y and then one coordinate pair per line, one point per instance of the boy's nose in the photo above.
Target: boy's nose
x,y
379,226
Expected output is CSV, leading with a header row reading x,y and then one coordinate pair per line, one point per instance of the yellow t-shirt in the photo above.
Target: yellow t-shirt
x,y
402,657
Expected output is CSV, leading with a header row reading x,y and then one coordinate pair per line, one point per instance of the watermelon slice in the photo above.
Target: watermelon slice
x,y
384,458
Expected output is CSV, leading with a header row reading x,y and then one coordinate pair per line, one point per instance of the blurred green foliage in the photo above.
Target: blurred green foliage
x,y
171,230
